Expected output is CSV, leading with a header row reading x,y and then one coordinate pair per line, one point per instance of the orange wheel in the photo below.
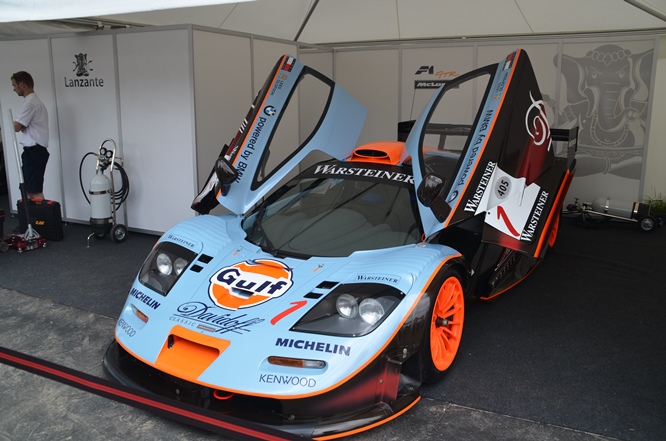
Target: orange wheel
x,y
445,331
554,230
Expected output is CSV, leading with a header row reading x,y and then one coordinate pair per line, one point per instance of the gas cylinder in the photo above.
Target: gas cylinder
x,y
627,210
100,204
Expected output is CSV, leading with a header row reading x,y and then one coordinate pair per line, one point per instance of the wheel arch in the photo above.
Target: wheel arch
x,y
411,337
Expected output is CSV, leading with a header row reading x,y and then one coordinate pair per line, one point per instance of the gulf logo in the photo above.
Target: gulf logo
x,y
248,284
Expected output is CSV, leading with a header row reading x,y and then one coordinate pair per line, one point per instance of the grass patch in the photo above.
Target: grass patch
x,y
657,203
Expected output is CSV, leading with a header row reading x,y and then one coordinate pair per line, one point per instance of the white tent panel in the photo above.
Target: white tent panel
x,y
372,77
432,18
264,56
335,21
562,16
223,93
655,178
154,72
428,64
19,10
87,113
370,20
278,19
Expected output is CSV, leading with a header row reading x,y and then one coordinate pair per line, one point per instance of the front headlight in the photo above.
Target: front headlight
x,y
351,310
347,306
371,311
164,265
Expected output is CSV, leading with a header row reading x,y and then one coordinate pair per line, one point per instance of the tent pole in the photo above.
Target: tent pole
x,y
305,21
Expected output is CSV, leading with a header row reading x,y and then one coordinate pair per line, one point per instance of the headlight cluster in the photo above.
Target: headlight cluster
x,y
164,265
351,310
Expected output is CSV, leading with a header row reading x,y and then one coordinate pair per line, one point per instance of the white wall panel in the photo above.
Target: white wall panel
x,y
223,93
368,75
323,63
424,68
31,56
372,77
157,121
606,92
655,178
265,54
86,91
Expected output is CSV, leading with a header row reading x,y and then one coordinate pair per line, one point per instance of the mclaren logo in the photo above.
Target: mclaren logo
x,y
248,284
428,84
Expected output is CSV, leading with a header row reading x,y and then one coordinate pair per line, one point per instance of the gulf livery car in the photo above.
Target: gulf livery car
x,y
327,297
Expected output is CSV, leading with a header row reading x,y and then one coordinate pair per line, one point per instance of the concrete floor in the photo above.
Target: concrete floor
x,y
74,326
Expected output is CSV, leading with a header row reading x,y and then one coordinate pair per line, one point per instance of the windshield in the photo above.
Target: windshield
x,y
335,216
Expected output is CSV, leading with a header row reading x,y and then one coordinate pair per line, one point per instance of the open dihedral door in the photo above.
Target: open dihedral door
x,y
507,171
244,173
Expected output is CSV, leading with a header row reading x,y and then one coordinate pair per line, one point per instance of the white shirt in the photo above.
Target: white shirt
x,y
35,119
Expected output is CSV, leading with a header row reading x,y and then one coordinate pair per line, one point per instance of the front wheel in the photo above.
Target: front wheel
x,y
442,339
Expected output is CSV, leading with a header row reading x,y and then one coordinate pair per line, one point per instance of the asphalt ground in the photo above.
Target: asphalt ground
x,y
575,352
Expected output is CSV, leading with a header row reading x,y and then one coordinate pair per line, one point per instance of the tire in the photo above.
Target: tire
x,y
647,223
444,329
119,233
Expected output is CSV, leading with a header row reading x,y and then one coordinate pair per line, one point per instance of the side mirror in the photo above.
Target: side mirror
x,y
226,174
430,194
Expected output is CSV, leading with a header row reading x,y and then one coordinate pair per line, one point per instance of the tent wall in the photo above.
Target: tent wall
x,y
173,96
603,85
85,115
223,93
169,97
655,178
157,122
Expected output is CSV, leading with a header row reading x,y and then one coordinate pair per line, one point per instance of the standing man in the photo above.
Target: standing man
x,y
33,123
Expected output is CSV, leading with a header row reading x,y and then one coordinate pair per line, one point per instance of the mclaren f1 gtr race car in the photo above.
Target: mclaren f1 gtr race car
x,y
334,283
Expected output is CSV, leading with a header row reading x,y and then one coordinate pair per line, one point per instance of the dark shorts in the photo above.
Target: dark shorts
x,y
34,161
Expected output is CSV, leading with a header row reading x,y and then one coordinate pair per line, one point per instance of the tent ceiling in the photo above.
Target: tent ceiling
x,y
352,21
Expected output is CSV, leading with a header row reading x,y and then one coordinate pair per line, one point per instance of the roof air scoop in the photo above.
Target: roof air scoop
x,y
383,152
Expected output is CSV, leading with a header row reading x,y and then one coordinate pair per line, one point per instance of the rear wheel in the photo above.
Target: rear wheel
x,y
647,223
447,315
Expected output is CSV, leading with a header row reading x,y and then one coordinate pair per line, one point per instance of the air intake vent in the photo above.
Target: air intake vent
x,y
326,285
386,152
